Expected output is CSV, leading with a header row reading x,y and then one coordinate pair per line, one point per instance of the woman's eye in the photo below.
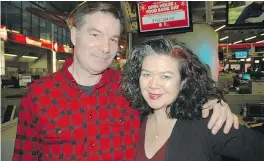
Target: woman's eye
x,y
166,77
145,74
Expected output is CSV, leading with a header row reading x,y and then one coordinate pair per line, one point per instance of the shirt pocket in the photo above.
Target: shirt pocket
x,y
56,135
119,117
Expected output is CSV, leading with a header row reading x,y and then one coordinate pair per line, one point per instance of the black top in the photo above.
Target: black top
x,y
191,140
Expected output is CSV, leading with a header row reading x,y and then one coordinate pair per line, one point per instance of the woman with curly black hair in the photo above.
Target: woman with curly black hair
x,y
168,84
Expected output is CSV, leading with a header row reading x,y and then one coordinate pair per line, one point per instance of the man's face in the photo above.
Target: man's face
x,y
96,41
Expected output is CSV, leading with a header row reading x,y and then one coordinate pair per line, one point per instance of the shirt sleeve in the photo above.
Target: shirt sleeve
x,y
27,137
243,144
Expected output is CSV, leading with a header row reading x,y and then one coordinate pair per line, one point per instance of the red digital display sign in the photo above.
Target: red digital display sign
x,y
162,15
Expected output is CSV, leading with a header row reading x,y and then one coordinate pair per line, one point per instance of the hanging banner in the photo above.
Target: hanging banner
x,y
19,38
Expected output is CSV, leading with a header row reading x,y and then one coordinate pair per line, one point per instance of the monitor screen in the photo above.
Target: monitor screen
x,y
241,54
246,76
163,17
245,14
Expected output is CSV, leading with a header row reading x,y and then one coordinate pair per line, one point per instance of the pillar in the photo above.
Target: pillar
x,y
2,58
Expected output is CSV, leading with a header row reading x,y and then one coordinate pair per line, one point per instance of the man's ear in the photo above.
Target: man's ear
x,y
73,35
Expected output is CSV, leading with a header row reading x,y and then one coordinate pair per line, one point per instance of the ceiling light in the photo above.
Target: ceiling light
x,y
220,28
11,55
260,41
262,34
248,59
224,38
238,42
30,57
256,61
61,60
253,37
242,59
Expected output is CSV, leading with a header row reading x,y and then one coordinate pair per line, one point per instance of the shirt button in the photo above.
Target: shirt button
x,y
92,145
59,132
91,116
121,119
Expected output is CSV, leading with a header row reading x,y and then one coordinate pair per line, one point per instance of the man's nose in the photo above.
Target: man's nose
x,y
105,46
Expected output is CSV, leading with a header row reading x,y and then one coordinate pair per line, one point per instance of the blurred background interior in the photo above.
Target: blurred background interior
x,y
228,36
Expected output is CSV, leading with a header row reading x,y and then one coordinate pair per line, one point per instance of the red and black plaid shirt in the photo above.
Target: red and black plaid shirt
x,y
59,122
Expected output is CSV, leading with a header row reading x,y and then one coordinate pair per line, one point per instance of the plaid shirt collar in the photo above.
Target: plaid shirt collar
x,y
71,79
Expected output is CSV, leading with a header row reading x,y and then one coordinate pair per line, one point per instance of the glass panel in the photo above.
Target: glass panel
x,y
14,18
4,13
26,21
16,3
35,26
42,30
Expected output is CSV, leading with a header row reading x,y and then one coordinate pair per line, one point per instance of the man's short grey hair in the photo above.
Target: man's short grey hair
x,y
92,7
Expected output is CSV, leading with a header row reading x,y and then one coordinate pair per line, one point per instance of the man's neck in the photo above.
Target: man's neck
x,y
82,76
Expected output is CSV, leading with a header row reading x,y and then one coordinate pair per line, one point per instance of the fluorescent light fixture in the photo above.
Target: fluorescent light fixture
x,y
30,57
220,28
61,60
242,59
13,55
262,59
224,38
14,31
253,37
260,41
256,61
262,34
238,42
248,59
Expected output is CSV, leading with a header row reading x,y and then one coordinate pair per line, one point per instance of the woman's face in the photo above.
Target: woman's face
x,y
160,80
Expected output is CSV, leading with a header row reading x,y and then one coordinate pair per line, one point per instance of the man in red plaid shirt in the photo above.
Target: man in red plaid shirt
x,y
79,113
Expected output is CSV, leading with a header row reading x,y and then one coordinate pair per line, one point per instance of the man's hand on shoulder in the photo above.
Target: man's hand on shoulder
x,y
221,114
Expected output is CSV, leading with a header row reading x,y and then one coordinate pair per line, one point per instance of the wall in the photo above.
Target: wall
x,y
203,41
41,63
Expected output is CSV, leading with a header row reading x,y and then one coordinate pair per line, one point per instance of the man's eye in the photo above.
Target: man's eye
x,y
114,40
95,35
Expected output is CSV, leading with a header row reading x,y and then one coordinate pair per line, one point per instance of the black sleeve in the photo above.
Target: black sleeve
x,y
244,144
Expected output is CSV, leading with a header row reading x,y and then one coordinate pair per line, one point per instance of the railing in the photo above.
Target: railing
x,y
9,72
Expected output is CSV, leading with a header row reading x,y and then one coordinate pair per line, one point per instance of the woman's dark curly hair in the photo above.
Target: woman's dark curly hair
x,y
196,91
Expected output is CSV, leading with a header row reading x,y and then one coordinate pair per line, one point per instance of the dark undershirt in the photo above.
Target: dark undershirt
x,y
86,89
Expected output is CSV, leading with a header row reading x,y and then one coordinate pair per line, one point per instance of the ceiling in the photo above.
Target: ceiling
x,y
198,13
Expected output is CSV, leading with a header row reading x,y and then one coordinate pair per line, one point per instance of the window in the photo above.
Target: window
x,y
35,26
14,18
42,29
4,13
26,16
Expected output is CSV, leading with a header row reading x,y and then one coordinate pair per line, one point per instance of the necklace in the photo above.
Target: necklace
x,y
169,123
